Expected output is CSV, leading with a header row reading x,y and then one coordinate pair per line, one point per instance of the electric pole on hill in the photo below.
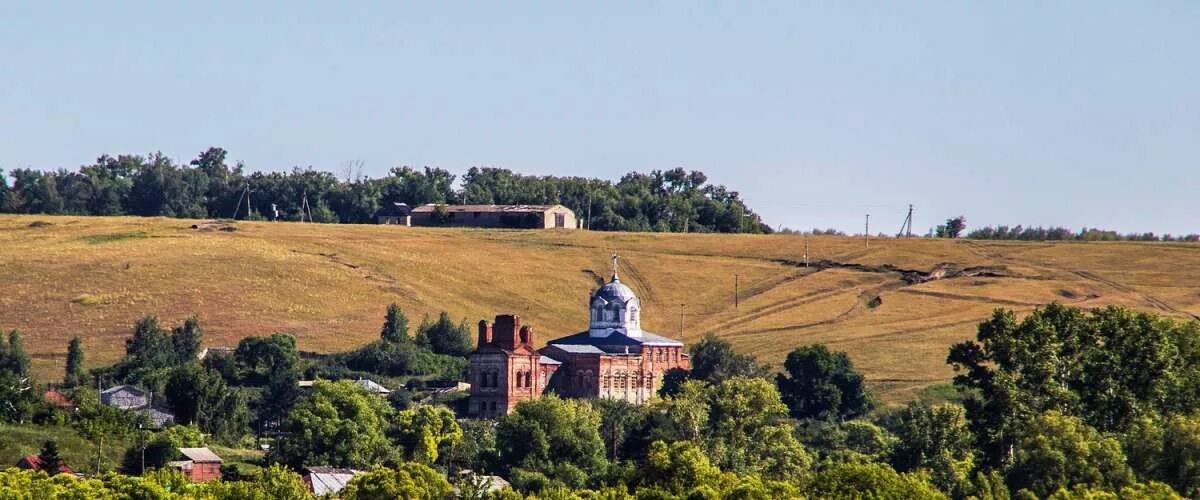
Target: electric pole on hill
x,y
906,227
735,290
867,233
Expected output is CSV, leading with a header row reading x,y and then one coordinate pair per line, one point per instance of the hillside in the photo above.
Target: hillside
x,y
329,285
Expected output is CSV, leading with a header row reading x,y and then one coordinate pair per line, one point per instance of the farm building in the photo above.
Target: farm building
x,y
504,216
201,464
34,462
394,213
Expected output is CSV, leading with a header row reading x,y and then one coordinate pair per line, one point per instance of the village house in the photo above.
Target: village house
x,y
613,358
201,464
34,462
130,398
394,213
502,216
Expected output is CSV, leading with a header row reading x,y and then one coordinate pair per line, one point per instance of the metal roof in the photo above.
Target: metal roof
x,y
486,208
578,348
546,360
200,455
615,339
329,480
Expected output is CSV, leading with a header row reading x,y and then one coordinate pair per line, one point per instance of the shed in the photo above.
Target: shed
x,y
201,464
125,397
324,481
394,213
506,216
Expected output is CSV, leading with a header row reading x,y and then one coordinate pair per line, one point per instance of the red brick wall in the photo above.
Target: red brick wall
x,y
205,471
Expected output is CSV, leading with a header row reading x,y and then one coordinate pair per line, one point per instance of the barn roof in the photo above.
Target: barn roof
x,y
516,209
200,455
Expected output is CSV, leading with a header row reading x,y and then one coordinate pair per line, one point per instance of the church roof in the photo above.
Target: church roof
x,y
614,339
615,291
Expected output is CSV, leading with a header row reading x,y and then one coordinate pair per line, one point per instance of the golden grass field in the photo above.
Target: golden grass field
x,y
329,285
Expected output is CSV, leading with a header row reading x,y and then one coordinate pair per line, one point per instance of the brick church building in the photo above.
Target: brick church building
x,y
613,358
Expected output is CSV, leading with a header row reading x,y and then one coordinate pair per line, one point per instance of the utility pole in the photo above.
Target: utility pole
x,y
867,233
806,251
735,290
681,322
588,223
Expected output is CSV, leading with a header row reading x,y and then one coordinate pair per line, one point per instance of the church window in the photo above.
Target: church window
x,y
543,379
528,379
493,408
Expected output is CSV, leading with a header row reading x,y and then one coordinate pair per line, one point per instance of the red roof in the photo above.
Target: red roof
x,y
34,462
55,398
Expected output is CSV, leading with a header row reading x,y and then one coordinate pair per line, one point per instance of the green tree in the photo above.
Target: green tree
x,y
678,468
870,481
557,438
259,358
185,340
749,431
13,358
149,347
337,424
619,420
201,396
713,360
395,325
934,439
444,336
1109,366
822,384
427,432
409,480
1058,451
74,372
1167,450
952,228
51,461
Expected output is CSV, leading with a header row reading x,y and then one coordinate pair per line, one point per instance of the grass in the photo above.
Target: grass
x,y
16,441
329,285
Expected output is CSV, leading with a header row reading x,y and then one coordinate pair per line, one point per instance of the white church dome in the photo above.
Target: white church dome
x,y
615,309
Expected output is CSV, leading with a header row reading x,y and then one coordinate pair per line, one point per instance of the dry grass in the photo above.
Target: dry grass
x,y
329,285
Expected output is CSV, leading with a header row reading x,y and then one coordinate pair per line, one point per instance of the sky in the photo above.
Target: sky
x,y
1072,113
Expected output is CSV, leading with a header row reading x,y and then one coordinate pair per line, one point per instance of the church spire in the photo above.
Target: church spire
x,y
614,266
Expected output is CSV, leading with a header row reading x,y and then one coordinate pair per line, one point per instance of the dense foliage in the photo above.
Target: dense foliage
x,y
674,200
1062,403
1030,233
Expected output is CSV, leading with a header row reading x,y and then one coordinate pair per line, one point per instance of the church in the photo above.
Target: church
x,y
613,358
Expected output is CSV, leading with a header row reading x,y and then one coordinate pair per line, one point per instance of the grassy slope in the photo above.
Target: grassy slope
x,y
329,284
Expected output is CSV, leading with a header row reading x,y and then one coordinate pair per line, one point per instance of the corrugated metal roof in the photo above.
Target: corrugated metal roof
x,y
329,480
578,348
200,454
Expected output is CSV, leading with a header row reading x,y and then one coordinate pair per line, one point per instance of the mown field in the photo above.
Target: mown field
x,y
329,285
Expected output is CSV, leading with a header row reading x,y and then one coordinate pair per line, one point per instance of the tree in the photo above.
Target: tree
x,y
619,419
714,360
13,358
427,433
952,228
51,461
258,358
337,424
1058,451
1167,450
749,430
200,396
444,336
1109,367
678,468
185,340
822,384
408,480
74,372
149,347
558,438
934,439
870,481
395,325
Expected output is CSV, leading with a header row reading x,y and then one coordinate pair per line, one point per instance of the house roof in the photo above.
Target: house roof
x,y
372,386
519,209
54,397
328,480
158,418
546,360
200,455
393,210
35,462
123,388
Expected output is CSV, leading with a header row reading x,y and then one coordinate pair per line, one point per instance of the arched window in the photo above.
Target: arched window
x,y
528,379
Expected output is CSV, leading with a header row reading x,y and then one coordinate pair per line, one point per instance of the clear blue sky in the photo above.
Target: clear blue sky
x,y
1063,113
